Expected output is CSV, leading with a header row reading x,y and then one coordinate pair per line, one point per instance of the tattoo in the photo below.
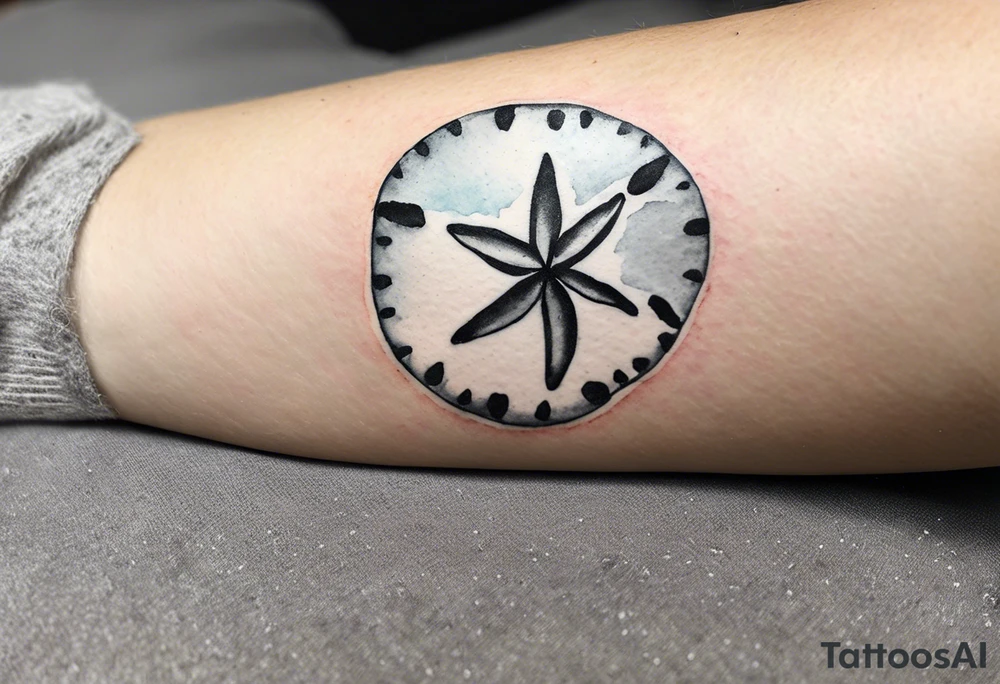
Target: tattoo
x,y
531,263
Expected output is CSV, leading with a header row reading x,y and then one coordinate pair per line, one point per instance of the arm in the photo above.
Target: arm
x,y
847,154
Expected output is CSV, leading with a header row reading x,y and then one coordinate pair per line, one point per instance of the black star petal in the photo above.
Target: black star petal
x,y
547,261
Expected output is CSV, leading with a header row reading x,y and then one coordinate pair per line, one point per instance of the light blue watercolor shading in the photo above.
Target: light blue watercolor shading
x,y
597,157
465,195
587,185
656,252
454,177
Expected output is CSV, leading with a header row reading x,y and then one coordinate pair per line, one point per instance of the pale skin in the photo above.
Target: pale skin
x,y
847,152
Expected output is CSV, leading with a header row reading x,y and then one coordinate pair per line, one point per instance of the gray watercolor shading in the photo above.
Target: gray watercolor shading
x,y
656,252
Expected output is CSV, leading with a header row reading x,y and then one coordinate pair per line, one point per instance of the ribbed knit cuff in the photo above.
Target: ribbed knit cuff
x,y
58,144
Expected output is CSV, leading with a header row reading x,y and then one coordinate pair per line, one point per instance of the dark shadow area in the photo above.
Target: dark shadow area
x,y
967,499
400,25
721,8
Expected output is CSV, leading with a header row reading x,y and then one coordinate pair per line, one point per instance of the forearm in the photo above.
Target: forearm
x,y
848,320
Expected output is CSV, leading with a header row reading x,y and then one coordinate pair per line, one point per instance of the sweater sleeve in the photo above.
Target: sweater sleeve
x,y
58,144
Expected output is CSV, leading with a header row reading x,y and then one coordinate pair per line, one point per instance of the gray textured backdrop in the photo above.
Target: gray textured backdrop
x,y
129,554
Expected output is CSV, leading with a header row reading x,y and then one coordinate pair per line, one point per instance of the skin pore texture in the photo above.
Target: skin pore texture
x,y
847,156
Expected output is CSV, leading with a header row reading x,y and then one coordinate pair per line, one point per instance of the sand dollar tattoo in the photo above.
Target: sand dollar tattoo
x,y
531,263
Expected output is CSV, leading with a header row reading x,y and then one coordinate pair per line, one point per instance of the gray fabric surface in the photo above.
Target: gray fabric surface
x,y
57,145
129,554
135,555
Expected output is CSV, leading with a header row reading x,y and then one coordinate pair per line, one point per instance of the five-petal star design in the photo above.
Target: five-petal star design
x,y
546,261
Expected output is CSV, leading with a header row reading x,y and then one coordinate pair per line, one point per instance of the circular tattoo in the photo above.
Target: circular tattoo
x,y
531,263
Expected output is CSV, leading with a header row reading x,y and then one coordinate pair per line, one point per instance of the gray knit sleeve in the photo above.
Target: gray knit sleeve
x,y
58,144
